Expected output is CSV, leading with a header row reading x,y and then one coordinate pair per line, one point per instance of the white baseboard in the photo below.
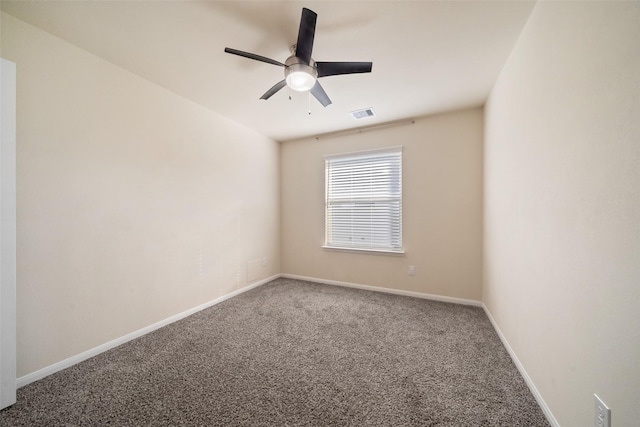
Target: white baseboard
x,y
63,364
543,405
386,290
51,369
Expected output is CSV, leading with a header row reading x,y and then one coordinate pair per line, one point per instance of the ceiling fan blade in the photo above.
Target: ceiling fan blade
x,y
335,68
253,56
306,33
320,94
276,87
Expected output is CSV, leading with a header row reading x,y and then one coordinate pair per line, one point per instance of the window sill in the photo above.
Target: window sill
x,y
372,251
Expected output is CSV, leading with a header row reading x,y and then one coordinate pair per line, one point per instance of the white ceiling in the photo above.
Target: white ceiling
x,y
428,56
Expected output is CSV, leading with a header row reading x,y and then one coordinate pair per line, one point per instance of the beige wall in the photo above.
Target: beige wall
x,y
442,208
133,204
562,207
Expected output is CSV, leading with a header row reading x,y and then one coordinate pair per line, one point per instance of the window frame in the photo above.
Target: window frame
x,y
394,226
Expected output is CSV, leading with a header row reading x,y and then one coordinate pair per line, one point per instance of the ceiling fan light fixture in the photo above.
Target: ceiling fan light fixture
x,y
300,81
300,77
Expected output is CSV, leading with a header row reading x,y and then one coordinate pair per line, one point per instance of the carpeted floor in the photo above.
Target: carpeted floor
x,y
294,353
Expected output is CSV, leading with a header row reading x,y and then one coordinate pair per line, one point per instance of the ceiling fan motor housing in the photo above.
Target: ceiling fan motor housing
x,y
299,75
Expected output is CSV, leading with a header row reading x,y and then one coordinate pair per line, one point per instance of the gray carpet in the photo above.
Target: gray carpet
x,y
294,353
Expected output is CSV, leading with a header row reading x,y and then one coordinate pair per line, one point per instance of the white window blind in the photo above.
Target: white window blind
x,y
364,200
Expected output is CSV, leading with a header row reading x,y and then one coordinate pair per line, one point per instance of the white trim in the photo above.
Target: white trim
x,y
7,233
51,369
386,290
532,387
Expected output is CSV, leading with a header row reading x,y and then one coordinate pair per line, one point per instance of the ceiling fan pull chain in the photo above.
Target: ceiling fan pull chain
x,y
309,98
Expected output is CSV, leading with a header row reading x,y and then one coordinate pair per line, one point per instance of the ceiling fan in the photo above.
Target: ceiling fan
x,y
300,70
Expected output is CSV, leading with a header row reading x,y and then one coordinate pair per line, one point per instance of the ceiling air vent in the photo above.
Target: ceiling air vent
x,y
361,114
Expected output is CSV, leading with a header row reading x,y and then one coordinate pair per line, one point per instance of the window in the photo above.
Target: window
x,y
364,200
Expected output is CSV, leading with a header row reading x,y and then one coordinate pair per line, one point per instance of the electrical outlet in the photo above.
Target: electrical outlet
x,y
412,270
602,417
